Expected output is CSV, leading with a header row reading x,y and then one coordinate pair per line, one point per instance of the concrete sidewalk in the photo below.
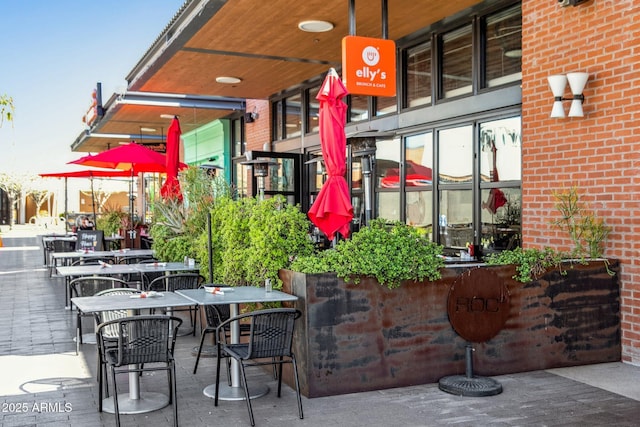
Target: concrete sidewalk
x,y
43,382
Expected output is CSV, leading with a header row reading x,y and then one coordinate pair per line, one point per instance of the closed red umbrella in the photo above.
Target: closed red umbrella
x,y
332,210
171,187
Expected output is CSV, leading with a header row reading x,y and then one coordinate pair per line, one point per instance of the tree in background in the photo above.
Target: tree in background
x,y
6,109
36,188
13,185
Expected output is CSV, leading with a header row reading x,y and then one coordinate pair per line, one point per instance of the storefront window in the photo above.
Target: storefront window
x,y
455,155
386,105
418,181
503,47
358,108
278,131
293,125
457,56
456,218
500,175
313,108
237,137
418,80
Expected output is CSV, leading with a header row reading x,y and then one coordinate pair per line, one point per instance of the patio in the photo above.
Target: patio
x,y
45,383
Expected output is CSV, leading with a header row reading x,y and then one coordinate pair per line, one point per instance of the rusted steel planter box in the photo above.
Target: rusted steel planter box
x,y
354,338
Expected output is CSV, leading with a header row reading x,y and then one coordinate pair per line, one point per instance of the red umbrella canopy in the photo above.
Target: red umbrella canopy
x,y
332,210
132,157
171,187
87,174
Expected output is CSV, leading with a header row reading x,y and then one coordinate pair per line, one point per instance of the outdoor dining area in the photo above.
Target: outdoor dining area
x,y
141,309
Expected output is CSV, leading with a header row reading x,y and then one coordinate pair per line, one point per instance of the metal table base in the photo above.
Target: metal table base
x,y
235,393
146,403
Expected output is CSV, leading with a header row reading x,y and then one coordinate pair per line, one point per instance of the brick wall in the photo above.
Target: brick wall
x,y
259,132
598,153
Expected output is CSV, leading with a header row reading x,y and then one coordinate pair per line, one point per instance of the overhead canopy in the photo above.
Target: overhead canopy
x,y
258,42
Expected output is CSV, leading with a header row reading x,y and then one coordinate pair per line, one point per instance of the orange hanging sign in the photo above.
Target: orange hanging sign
x,y
369,66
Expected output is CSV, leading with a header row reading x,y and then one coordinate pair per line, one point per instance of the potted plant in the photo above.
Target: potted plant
x,y
390,252
111,220
586,230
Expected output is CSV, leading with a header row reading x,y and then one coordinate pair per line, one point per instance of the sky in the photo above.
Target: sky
x,y
52,55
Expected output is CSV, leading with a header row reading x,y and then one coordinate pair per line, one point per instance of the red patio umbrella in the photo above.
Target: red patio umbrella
x,y
332,210
132,157
171,187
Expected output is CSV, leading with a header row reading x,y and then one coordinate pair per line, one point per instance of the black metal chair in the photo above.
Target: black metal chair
x,y
111,332
176,282
144,343
270,337
215,315
90,286
149,276
58,246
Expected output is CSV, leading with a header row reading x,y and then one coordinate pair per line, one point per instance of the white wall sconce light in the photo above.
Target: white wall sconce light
x,y
558,83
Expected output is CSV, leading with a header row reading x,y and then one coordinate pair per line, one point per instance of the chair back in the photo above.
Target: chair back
x,y
63,245
271,332
136,259
90,286
216,314
175,282
140,339
105,316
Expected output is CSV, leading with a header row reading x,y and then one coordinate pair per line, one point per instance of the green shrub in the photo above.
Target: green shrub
x,y
390,252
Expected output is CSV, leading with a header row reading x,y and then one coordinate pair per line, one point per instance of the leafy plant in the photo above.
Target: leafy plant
x,y
111,221
390,252
530,263
254,239
587,231
177,226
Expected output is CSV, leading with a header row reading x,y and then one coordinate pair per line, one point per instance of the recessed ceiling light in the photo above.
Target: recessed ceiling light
x,y
227,80
147,130
315,26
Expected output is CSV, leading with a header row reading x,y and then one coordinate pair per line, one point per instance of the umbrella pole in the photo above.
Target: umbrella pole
x,y
66,210
132,229
93,204
210,247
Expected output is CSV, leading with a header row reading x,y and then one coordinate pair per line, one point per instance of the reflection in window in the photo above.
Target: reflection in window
x,y
386,105
456,218
241,183
236,126
293,125
313,108
455,155
387,167
419,160
388,206
418,87
356,174
504,47
419,210
501,150
359,108
281,176
501,218
457,55
277,120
